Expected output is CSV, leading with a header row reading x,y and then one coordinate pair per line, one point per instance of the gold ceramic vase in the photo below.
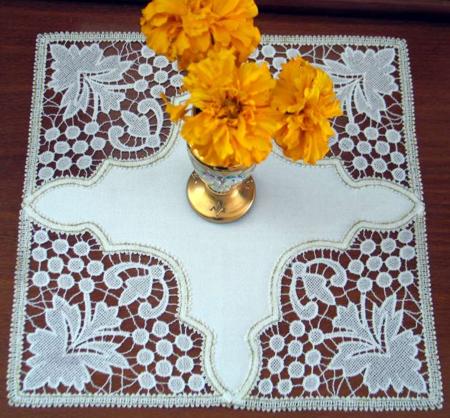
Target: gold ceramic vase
x,y
220,194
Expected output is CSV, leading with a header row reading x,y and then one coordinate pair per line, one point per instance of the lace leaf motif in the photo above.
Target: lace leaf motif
x,y
387,355
64,352
80,73
363,79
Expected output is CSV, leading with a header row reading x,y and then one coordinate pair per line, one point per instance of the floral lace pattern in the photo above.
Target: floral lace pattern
x,y
370,137
105,327
104,323
351,323
102,100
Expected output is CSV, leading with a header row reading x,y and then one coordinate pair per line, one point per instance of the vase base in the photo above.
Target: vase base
x,y
220,207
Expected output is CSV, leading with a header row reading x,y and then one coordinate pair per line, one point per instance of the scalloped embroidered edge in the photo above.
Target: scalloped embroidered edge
x,y
16,334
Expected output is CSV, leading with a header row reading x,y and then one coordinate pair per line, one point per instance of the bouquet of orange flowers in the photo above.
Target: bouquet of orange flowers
x,y
239,106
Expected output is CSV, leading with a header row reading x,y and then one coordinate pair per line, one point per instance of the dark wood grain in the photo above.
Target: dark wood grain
x,y
430,61
433,9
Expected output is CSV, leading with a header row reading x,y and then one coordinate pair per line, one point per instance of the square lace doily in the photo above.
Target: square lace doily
x,y
318,299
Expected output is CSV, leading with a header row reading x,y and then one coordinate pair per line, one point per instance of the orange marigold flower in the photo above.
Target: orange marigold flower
x,y
304,95
185,30
235,122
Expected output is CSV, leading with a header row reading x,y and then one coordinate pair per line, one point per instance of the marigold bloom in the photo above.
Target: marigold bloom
x,y
304,95
235,122
185,30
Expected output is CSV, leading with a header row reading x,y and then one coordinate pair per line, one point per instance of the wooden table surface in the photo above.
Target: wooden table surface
x,y
428,42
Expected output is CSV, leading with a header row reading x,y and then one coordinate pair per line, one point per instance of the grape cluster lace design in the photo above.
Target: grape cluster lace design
x,y
105,323
351,323
102,100
369,139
